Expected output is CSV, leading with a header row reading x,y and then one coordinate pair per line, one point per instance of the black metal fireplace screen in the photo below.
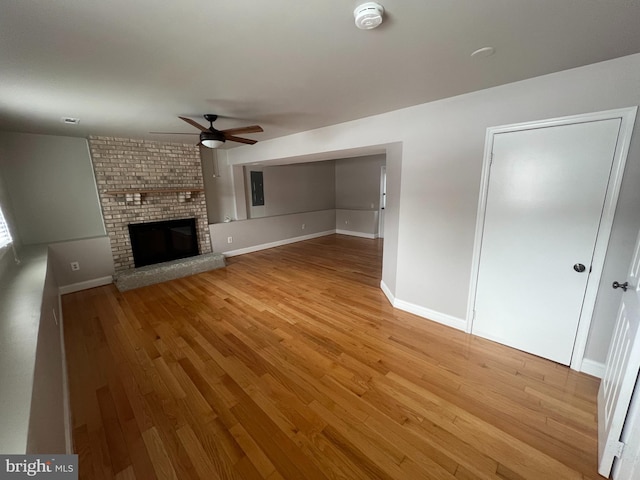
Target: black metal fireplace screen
x,y
157,242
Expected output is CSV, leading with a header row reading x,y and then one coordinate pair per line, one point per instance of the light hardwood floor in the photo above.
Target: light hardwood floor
x,y
291,364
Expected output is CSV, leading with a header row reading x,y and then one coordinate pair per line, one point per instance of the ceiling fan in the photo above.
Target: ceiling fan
x,y
212,138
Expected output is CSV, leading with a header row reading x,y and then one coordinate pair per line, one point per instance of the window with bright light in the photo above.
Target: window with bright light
x,y
5,235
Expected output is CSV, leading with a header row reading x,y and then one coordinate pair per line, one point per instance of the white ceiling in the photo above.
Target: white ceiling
x,y
126,68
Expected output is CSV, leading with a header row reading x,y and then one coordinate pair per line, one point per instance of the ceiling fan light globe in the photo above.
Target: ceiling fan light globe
x,y
212,143
212,139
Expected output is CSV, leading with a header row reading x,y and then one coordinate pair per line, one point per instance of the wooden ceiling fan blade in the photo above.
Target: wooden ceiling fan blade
x,y
193,123
239,130
240,139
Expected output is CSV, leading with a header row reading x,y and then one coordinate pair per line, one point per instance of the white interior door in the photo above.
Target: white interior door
x,y
623,365
547,189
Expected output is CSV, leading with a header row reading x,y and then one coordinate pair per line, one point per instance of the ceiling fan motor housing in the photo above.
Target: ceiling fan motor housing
x,y
212,135
368,15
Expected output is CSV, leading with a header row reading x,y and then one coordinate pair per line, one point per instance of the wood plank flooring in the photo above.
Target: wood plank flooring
x,y
291,364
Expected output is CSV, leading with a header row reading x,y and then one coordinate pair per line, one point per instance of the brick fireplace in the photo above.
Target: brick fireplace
x,y
143,181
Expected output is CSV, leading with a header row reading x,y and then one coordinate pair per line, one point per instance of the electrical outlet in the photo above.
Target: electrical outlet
x,y
303,226
229,239
75,266
346,222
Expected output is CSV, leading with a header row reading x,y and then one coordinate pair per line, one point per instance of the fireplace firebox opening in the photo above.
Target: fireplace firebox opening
x,y
157,242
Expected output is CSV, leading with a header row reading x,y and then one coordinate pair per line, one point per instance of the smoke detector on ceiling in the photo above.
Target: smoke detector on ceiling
x,y
368,15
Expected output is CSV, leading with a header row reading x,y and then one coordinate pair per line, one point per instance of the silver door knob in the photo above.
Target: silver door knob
x,y
623,286
578,267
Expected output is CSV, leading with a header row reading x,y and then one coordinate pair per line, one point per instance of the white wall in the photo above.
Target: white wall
x,y
32,392
293,189
358,195
220,195
52,188
21,298
361,223
358,182
433,190
51,191
94,257
47,422
258,233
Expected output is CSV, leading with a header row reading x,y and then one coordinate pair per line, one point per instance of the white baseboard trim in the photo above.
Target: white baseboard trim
x,y
591,367
356,234
387,292
278,243
443,318
76,287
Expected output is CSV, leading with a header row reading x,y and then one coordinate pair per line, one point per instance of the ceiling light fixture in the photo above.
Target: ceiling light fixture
x,y
368,15
70,120
211,139
484,52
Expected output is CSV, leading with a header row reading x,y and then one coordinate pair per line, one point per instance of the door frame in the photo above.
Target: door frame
x,y
627,117
382,200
